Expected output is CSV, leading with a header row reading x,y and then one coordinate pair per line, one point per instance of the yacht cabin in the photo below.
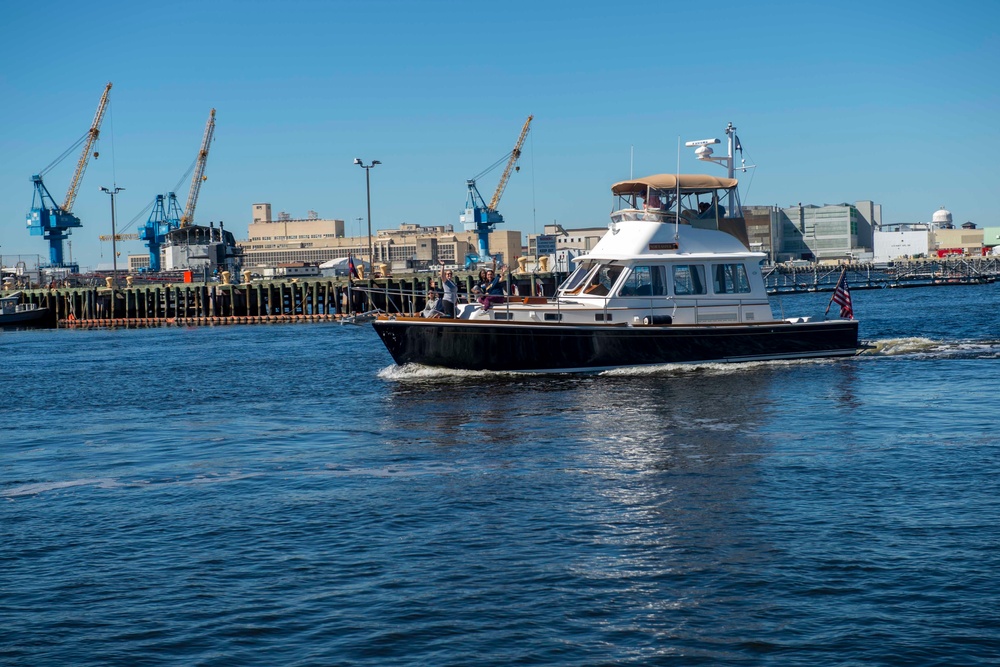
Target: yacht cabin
x,y
670,256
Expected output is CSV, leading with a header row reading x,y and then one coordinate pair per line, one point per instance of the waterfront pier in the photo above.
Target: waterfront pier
x,y
782,279
280,301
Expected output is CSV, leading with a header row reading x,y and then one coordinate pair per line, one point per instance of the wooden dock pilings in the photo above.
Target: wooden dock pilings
x,y
294,300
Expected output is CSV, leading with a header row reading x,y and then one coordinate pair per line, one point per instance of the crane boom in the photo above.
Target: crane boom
x,y
199,172
514,155
81,165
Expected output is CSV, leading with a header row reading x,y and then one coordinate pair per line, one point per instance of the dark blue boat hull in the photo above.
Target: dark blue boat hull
x,y
501,346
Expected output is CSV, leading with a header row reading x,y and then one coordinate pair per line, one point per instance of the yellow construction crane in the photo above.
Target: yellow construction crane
x,y
81,165
481,217
47,218
514,155
199,172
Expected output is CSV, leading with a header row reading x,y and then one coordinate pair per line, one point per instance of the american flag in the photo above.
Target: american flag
x,y
842,297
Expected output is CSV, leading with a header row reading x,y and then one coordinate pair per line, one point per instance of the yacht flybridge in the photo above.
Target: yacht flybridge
x,y
672,281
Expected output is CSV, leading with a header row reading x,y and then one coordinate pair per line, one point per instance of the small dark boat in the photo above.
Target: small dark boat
x,y
16,315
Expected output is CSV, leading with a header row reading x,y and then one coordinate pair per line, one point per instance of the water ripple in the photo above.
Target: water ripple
x,y
285,495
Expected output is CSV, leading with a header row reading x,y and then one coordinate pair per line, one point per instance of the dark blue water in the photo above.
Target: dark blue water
x,y
283,495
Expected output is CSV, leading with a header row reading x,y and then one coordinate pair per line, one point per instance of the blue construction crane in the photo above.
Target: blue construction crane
x,y
174,214
47,218
482,217
156,228
165,218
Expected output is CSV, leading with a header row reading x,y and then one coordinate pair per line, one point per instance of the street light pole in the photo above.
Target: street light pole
x,y
114,236
368,189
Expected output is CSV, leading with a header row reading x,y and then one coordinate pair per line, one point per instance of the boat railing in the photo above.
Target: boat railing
x,y
405,302
413,295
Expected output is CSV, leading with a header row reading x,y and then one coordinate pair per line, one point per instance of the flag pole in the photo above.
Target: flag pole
x,y
350,283
834,295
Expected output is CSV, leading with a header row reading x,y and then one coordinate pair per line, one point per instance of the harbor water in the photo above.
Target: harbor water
x,y
284,495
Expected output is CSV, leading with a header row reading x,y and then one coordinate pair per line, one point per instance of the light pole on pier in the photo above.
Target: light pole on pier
x,y
114,190
368,189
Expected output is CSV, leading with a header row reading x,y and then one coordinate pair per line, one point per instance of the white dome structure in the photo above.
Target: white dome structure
x,y
942,217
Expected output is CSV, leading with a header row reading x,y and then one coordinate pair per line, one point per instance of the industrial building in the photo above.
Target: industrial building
x,y
938,238
415,247
314,240
991,239
284,240
901,241
761,222
554,238
828,232
832,232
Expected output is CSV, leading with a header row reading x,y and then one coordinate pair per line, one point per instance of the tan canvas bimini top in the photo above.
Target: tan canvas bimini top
x,y
689,184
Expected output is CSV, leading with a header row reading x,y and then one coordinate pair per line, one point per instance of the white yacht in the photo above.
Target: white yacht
x,y
672,281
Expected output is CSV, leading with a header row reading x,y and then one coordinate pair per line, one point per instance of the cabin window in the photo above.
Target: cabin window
x,y
576,278
645,281
601,281
730,279
689,279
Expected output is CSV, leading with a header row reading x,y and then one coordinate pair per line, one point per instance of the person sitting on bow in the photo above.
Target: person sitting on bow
x,y
433,306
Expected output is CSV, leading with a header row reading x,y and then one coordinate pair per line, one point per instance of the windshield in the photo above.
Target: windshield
x,y
600,282
577,277
592,278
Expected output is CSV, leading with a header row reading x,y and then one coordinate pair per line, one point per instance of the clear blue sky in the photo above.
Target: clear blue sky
x,y
835,102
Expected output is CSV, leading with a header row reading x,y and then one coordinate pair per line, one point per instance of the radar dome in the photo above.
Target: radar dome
x,y
942,217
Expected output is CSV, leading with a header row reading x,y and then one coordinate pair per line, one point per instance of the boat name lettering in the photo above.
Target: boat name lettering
x,y
663,246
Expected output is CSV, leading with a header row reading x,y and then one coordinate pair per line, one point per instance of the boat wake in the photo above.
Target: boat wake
x,y
417,372
410,372
926,347
913,347
717,367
